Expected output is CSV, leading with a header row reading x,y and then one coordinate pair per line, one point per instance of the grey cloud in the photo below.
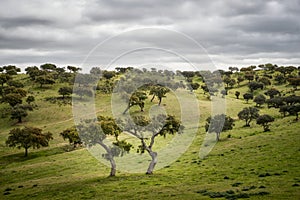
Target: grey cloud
x,y
23,21
233,31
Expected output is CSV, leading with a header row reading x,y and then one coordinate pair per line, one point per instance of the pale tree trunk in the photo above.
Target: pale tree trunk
x,y
126,109
218,136
151,153
113,168
153,161
110,157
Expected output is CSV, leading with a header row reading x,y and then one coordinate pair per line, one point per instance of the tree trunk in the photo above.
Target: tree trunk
x,y
159,100
248,122
217,136
126,109
26,152
266,128
20,119
113,168
152,98
153,161
142,106
110,158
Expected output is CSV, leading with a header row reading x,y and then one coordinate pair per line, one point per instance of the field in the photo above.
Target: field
x,y
246,163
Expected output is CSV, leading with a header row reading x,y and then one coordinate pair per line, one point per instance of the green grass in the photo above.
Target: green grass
x,y
250,162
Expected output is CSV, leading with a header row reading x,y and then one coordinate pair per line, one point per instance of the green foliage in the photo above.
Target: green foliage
x,y
272,93
224,92
259,100
248,114
48,67
33,72
171,125
137,98
255,85
45,80
74,69
122,70
72,135
285,70
232,69
195,86
85,79
12,99
248,96
188,74
96,71
106,86
264,121
108,74
159,125
121,147
204,88
291,100
264,80
158,91
237,94
78,173
280,79
65,91
30,99
4,78
249,76
275,102
20,111
11,70
83,91
14,83
229,82
295,82
28,137
218,124
94,132
240,79
13,90
293,110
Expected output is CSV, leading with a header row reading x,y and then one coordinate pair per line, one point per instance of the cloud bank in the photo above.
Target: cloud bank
x,y
232,32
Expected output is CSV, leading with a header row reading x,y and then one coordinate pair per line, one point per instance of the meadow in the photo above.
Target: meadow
x,y
246,163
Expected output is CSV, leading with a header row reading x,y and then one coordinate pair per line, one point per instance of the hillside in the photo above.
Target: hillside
x,y
245,163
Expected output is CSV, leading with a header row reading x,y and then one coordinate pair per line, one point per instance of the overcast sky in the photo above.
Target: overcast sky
x,y
140,32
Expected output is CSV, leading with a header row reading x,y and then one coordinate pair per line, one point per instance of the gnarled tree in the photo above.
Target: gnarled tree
x,y
160,125
28,137
264,121
248,114
93,132
219,123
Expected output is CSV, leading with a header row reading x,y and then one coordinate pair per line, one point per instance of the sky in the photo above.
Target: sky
x,y
173,33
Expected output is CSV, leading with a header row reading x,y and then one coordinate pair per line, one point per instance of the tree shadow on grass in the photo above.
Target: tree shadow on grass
x,y
19,157
100,186
67,100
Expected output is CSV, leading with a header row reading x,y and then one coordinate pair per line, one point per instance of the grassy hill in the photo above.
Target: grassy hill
x,y
245,163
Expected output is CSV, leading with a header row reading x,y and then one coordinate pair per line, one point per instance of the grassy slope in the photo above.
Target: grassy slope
x,y
245,158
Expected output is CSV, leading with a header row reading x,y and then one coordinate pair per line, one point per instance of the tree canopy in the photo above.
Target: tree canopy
x,y
218,124
159,125
259,100
248,114
264,121
94,132
28,137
